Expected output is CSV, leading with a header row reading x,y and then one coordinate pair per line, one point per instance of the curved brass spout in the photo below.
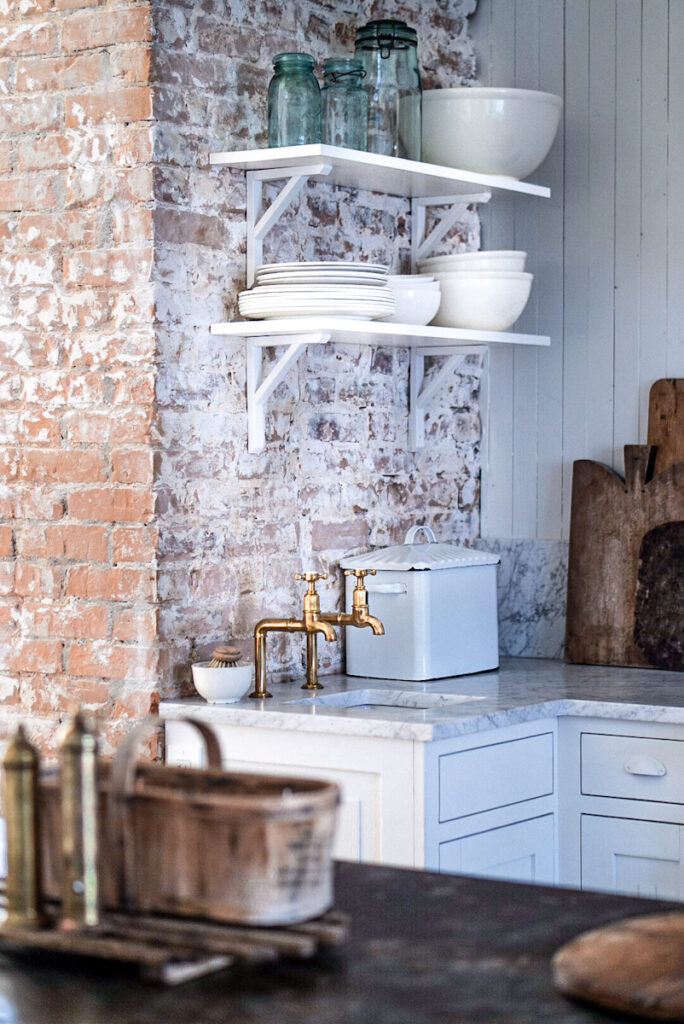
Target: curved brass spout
x,y
310,623
359,615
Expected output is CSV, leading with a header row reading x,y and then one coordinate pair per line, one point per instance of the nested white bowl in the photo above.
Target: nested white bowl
x,y
425,280
482,300
489,130
494,259
222,685
414,305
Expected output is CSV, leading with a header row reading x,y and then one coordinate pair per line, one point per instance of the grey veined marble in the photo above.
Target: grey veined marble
x,y
531,592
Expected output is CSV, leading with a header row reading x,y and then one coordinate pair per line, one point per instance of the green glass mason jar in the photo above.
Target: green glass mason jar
x,y
344,115
294,101
388,51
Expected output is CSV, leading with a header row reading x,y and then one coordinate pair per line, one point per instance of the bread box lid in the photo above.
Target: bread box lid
x,y
410,555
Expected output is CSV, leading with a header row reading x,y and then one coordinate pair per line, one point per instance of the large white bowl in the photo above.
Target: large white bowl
x,y
494,259
482,300
488,130
222,685
414,305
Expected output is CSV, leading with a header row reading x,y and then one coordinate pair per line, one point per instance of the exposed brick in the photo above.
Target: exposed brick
x,y
115,504
131,64
119,584
67,620
111,661
6,541
54,150
39,425
40,37
9,617
132,225
36,580
34,193
58,694
131,466
41,466
83,31
136,625
77,541
134,544
37,74
133,103
27,113
133,387
107,269
6,157
7,577
34,655
122,426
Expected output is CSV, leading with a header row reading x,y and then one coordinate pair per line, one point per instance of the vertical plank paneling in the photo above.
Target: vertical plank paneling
x,y
627,227
576,233
525,384
653,319
498,233
548,269
675,194
600,240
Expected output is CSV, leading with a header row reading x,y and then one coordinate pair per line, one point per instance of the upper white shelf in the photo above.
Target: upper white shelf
x,y
388,174
372,332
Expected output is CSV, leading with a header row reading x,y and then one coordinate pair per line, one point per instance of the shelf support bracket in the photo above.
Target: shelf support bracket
x,y
422,245
421,395
260,222
260,388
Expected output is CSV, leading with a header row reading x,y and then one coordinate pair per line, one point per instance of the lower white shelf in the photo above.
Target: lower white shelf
x,y
373,332
294,334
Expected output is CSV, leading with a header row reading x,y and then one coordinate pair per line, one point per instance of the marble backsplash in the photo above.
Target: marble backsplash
x,y
531,590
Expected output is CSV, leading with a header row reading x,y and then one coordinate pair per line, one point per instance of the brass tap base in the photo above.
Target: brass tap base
x,y
312,686
257,696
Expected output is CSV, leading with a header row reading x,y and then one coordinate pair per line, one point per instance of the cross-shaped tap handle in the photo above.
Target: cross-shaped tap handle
x,y
310,578
359,573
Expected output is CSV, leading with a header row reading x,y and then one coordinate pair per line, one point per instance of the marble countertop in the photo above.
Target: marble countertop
x,y
521,690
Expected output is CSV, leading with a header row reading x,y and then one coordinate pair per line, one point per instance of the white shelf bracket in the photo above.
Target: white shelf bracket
x,y
421,395
260,221
260,388
422,245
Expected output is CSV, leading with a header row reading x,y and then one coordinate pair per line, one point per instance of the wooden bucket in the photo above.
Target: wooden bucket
x,y
227,846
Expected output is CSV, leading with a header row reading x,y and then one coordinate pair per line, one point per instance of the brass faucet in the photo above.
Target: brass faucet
x,y
359,615
311,623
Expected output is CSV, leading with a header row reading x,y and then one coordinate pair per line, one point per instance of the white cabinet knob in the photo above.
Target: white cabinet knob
x,y
643,765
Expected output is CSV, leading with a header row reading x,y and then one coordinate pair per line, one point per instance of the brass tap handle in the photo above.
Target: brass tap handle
x,y
310,578
359,573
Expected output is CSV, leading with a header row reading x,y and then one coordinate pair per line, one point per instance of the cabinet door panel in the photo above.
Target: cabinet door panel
x,y
521,852
631,857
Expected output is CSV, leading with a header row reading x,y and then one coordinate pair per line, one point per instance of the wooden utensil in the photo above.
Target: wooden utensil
x,y
635,966
666,422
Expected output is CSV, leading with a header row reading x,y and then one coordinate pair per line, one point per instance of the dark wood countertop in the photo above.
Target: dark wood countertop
x,y
424,949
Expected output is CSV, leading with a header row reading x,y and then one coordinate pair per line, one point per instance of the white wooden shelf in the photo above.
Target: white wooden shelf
x,y
388,174
371,332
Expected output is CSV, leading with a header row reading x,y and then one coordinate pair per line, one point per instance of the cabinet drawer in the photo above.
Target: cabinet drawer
x,y
632,767
500,774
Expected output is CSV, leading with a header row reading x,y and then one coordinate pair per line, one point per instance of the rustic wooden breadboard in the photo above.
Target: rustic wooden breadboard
x,y
171,950
635,966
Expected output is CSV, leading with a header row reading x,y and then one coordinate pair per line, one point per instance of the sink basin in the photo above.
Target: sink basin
x,y
406,700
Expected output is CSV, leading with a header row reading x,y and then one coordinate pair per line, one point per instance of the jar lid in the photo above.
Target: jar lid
x,y
341,67
410,555
386,35
302,60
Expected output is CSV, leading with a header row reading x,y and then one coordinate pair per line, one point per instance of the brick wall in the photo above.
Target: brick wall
x,y
77,344
134,527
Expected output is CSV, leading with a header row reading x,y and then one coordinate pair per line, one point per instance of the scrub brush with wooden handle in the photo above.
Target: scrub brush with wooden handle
x,y
224,656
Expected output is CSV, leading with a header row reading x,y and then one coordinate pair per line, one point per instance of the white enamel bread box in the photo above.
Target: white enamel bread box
x,y
437,603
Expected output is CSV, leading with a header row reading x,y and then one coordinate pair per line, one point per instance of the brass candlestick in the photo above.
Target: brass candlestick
x,y
78,786
21,763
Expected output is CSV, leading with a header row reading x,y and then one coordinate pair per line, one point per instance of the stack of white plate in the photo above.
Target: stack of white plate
x,y
355,291
484,291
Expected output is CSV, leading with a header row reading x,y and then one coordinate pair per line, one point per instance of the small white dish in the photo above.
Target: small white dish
x,y
222,685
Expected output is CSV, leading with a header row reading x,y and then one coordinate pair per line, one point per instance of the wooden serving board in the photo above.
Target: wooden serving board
x,y
635,966
626,562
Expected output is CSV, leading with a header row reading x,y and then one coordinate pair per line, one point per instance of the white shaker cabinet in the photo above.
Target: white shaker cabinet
x,y
482,804
622,807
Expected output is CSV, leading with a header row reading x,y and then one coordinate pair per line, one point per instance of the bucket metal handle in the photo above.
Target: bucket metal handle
x,y
415,530
122,785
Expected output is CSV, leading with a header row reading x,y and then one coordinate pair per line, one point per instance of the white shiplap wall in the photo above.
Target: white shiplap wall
x,y
607,250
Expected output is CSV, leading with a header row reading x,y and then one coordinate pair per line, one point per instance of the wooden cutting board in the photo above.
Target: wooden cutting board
x,y
626,562
635,966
